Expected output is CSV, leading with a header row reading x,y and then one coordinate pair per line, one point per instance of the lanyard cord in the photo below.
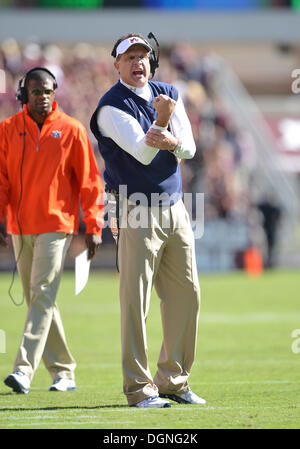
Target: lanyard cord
x,y
17,217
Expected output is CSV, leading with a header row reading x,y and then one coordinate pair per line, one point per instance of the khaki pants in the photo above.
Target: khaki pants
x,y
161,254
40,266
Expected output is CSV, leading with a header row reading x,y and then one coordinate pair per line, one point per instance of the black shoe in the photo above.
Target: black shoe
x,y
19,382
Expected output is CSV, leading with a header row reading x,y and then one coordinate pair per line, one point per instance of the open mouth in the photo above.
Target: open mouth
x,y
138,73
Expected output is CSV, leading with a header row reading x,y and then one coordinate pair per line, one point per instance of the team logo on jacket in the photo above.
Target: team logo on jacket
x,y
56,134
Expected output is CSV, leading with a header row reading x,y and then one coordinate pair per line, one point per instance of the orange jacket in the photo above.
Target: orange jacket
x,y
43,179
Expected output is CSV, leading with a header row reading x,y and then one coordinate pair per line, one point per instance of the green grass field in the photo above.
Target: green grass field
x,y
245,366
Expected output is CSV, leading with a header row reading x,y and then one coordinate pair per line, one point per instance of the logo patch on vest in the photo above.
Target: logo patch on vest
x,y
56,134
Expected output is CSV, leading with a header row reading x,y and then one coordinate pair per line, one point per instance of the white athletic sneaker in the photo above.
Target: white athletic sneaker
x,y
185,398
62,384
153,401
18,381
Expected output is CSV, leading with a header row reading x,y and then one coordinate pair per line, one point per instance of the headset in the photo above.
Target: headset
x,y
154,55
22,94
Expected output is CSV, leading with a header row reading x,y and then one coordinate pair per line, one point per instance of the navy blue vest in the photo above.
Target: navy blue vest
x,y
162,175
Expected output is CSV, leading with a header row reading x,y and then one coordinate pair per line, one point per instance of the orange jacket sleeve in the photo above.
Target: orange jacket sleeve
x,y
89,181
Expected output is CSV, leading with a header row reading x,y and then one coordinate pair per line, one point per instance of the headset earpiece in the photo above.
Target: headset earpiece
x,y
22,94
114,50
153,62
154,57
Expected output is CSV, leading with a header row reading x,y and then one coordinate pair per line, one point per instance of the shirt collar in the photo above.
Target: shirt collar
x,y
143,92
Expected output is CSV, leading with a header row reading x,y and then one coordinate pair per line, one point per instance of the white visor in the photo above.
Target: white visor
x,y
127,43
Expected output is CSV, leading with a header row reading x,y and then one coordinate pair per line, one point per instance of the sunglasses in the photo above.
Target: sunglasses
x,y
38,92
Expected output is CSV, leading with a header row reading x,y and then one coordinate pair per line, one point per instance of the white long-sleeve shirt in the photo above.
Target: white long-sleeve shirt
x,y
128,134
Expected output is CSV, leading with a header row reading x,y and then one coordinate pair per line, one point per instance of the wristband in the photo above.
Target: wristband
x,y
177,149
160,128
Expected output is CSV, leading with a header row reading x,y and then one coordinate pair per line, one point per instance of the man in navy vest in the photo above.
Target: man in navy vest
x,y
143,131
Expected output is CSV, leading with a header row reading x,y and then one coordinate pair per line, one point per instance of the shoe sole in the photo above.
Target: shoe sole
x,y
11,382
62,391
175,398
167,404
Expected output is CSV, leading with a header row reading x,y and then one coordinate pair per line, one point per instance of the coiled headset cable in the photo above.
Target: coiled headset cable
x,y
17,218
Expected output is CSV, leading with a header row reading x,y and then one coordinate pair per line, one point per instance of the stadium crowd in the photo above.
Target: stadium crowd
x,y
224,158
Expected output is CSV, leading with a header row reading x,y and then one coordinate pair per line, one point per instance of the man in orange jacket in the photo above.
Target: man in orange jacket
x,y
47,167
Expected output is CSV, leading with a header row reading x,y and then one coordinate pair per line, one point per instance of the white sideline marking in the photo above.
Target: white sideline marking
x,y
137,410
57,423
175,407
37,417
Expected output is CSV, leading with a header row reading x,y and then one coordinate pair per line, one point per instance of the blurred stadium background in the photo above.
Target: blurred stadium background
x,y
234,63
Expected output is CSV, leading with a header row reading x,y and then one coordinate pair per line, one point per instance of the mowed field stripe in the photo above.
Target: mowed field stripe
x,y
236,318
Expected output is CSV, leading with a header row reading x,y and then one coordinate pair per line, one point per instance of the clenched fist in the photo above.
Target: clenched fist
x,y
165,106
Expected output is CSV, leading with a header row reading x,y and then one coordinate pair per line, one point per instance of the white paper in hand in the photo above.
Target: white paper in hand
x,y
82,269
